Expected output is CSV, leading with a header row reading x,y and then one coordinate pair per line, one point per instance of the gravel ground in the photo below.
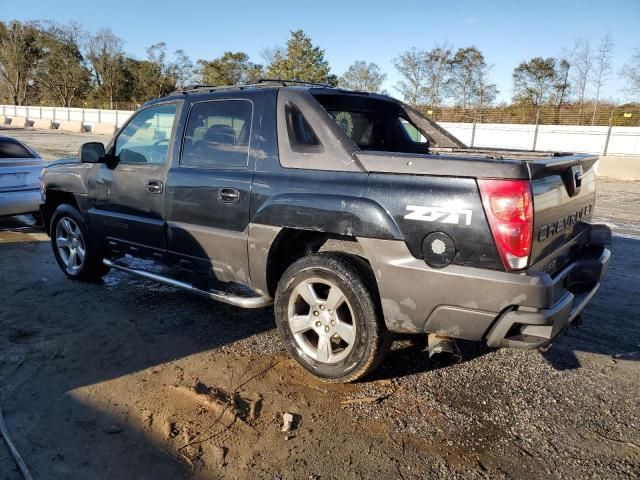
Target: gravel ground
x,y
126,379
52,144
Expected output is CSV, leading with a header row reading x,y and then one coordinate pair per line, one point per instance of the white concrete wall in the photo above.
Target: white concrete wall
x,y
579,139
87,116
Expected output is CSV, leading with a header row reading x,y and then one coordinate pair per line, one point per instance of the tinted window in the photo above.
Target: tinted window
x,y
375,124
10,148
412,131
217,134
146,137
300,132
361,127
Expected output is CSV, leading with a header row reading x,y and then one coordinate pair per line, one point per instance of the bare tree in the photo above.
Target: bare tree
x,y
583,66
630,72
268,54
161,71
19,53
467,82
563,73
438,60
462,76
426,75
61,70
412,65
602,67
182,69
485,92
562,85
362,76
106,60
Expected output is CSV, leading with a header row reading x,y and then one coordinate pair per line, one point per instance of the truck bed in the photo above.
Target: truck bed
x,y
476,163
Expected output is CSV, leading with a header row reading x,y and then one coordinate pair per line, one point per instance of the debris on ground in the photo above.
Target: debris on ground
x,y
112,429
287,422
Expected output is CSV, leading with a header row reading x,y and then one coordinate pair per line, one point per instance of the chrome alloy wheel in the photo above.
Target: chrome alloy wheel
x,y
70,244
321,320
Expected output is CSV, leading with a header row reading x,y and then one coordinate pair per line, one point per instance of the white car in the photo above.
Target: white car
x,y
20,169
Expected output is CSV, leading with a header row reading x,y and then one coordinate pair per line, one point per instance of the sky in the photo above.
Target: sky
x,y
507,32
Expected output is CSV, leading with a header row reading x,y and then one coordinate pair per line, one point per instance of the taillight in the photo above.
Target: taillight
x,y
509,209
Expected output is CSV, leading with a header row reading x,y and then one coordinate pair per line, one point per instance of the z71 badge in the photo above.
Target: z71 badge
x,y
439,214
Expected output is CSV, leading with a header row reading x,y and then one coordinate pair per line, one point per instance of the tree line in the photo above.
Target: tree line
x,y
49,63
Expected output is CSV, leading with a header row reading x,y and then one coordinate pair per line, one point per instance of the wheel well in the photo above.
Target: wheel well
x,y
291,245
55,198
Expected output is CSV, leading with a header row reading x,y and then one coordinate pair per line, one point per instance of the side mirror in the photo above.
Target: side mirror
x,y
92,152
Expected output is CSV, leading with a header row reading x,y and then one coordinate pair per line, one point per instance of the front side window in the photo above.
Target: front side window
x,y
146,137
217,134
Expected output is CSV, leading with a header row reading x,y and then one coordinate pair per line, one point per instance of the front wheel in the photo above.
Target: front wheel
x,y
72,246
329,316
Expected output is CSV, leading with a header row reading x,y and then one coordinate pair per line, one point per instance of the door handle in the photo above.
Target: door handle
x,y
229,195
154,186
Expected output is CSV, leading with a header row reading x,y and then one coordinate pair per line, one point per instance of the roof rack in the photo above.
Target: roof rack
x,y
284,82
262,83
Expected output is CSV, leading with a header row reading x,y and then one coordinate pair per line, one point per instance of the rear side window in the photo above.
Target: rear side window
x,y
361,127
218,134
412,131
374,123
10,148
303,132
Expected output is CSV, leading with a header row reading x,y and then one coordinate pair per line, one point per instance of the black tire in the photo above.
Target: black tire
x,y
91,267
356,281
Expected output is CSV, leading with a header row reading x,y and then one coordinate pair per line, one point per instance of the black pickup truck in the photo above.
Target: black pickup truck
x,y
351,212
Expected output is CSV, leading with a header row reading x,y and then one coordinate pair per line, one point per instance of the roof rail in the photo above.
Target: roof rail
x,y
209,88
285,81
262,83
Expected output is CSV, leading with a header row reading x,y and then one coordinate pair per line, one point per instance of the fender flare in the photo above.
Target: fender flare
x,y
337,214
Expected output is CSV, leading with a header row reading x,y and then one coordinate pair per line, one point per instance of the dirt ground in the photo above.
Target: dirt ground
x,y
125,379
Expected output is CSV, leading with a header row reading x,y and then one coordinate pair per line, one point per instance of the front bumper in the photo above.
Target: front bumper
x,y
18,202
525,309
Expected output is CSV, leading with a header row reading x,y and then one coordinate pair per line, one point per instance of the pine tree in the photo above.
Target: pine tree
x,y
302,61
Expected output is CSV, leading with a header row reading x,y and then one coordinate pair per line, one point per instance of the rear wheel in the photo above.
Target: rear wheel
x,y
74,251
328,315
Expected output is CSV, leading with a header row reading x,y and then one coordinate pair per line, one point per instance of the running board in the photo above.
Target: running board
x,y
224,297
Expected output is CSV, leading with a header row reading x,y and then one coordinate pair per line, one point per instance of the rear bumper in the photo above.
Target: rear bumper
x,y
526,309
19,201
526,327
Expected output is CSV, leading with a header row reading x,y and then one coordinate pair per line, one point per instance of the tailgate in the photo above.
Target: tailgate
x,y
564,193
